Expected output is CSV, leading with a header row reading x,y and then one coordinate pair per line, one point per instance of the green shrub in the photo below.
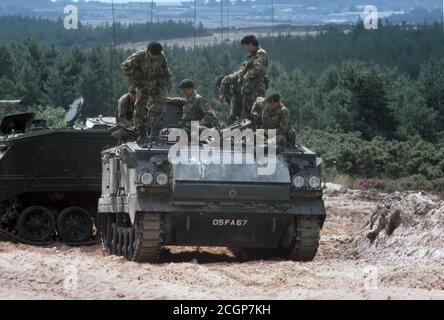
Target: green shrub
x,y
414,159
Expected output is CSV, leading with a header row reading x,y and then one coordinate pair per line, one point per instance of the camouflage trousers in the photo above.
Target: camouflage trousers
x,y
149,115
248,100
236,105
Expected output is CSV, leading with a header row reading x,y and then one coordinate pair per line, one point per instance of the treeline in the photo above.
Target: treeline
x,y
17,28
385,83
47,76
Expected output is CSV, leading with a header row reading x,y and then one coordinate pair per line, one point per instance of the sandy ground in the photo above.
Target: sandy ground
x,y
347,267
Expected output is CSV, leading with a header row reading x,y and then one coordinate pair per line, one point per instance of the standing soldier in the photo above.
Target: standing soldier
x,y
195,107
252,75
276,116
230,92
148,72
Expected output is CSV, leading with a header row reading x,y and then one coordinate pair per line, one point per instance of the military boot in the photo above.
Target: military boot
x,y
142,134
154,135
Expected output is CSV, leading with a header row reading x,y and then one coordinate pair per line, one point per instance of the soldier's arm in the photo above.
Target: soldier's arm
x,y
176,101
257,106
122,112
129,64
201,107
257,110
259,67
284,124
239,74
131,70
225,87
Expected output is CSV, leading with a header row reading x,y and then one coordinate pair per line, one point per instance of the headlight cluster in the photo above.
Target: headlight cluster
x,y
160,178
146,178
313,183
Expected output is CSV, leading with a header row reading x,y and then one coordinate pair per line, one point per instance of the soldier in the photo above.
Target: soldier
x,y
252,75
276,116
195,107
125,109
148,72
210,120
256,111
230,92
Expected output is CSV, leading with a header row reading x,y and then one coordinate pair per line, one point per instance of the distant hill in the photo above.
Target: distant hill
x,y
417,16
16,28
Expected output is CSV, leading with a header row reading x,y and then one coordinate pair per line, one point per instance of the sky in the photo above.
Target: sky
x,y
125,1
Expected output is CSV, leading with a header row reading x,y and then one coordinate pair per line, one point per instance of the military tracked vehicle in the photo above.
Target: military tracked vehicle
x,y
50,178
148,202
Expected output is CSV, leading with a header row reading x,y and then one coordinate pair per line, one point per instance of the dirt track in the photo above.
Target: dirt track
x,y
347,267
214,39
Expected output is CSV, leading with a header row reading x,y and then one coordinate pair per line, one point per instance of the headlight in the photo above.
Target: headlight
x,y
314,182
146,178
299,182
161,179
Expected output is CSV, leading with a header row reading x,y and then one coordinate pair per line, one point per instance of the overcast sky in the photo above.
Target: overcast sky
x,y
123,1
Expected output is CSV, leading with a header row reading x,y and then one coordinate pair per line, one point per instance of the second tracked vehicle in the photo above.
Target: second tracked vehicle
x,y
50,178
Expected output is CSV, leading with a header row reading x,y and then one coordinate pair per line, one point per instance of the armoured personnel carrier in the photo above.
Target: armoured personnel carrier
x,y
50,178
149,202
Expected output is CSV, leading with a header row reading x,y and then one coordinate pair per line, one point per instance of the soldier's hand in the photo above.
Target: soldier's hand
x,y
221,98
133,84
254,115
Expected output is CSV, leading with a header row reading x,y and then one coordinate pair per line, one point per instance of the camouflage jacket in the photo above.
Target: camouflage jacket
x,y
125,112
147,73
258,107
253,72
194,107
278,119
230,87
210,120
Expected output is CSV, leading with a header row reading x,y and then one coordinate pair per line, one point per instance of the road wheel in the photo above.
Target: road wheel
x,y
36,224
75,225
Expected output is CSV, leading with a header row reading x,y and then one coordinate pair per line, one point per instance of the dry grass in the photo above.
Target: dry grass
x,y
345,180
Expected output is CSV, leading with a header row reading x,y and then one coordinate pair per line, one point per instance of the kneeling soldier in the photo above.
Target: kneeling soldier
x,y
125,109
195,107
276,116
